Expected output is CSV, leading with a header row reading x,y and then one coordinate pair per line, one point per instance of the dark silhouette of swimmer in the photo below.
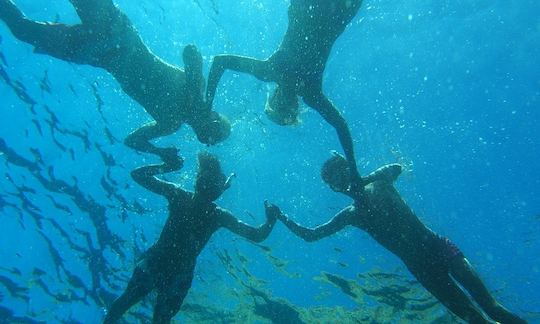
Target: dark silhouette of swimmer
x,y
297,67
168,265
435,261
105,38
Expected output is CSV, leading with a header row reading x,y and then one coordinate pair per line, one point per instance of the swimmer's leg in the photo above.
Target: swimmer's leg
x,y
440,285
138,287
258,68
318,101
140,140
170,299
464,273
9,12
101,40
68,43
52,39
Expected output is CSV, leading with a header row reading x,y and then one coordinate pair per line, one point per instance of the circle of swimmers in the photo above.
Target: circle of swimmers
x,y
105,38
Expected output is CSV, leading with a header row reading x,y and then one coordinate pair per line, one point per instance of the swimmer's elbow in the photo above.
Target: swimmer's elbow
x,y
219,61
141,176
258,239
310,237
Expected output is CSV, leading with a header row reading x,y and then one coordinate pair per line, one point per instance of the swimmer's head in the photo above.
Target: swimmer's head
x,y
210,182
336,173
213,129
282,107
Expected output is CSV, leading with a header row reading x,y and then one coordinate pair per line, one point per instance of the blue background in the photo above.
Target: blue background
x,y
450,89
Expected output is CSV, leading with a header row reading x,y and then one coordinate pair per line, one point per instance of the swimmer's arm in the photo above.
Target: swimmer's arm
x,y
318,101
255,234
387,173
146,177
193,62
336,224
255,67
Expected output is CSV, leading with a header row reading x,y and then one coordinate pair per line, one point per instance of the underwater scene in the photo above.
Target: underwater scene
x,y
269,161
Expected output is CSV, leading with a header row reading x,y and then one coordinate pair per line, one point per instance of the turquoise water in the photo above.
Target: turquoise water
x,y
449,89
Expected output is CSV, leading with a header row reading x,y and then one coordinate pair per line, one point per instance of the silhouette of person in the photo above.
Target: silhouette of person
x,y
168,265
297,67
435,261
105,38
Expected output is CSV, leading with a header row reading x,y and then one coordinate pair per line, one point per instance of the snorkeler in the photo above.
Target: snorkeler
x,y
169,264
297,67
435,261
105,38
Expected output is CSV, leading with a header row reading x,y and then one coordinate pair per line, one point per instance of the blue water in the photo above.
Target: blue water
x,y
450,89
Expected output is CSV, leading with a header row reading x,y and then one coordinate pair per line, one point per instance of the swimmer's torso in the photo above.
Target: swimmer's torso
x,y
185,234
394,225
156,85
314,26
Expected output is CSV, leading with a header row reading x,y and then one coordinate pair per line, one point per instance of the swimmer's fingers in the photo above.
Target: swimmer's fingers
x,y
272,210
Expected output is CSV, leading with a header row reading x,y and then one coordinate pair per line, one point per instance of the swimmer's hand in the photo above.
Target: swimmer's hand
x,y
356,187
171,160
272,211
388,173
